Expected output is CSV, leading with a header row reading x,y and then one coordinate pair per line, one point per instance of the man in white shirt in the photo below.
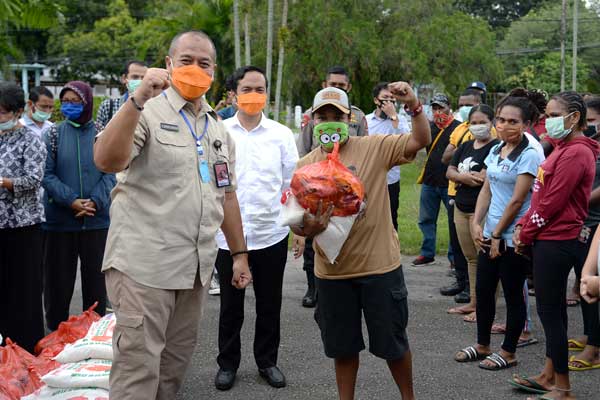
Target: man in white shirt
x,y
38,111
266,157
386,121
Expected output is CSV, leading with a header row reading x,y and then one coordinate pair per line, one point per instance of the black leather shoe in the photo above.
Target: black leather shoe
x,y
462,297
224,379
310,298
452,290
273,376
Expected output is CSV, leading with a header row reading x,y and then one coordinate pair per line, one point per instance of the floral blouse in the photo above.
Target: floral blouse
x,y
22,159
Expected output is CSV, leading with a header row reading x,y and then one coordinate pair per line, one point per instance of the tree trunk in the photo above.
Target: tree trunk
x,y
563,38
236,34
575,33
280,61
269,50
247,39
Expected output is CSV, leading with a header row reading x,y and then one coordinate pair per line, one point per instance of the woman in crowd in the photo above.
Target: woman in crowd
x,y
467,170
77,202
510,168
22,158
553,226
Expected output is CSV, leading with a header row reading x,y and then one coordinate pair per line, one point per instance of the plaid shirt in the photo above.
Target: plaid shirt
x,y
108,108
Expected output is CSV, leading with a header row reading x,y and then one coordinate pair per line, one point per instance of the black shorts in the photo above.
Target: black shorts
x,y
382,299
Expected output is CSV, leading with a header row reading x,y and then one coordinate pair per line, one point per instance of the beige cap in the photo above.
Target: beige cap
x,y
334,96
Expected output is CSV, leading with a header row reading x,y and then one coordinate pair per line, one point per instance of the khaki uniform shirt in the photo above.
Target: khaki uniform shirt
x,y
305,143
163,217
372,246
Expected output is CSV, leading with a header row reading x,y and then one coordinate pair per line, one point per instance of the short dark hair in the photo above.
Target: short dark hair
x,y
573,101
472,92
239,74
520,98
337,70
229,83
594,103
201,34
12,97
36,92
132,62
379,87
482,108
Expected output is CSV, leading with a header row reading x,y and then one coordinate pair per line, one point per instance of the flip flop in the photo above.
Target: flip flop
x,y
472,355
471,318
587,366
533,388
457,310
526,342
572,302
498,329
575,345
499,363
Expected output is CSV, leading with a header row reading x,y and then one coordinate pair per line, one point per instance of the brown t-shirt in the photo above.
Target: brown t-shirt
x,y
372,247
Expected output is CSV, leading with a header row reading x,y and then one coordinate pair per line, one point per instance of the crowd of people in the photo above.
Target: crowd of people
x,y
162,199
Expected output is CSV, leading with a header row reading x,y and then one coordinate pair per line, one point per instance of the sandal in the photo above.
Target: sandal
x,y
498,329
575,345
573,301
499,363
526,342
471,355
531,387
587,366
458,310
470,318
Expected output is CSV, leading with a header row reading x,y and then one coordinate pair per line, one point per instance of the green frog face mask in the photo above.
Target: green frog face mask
x,y
328,133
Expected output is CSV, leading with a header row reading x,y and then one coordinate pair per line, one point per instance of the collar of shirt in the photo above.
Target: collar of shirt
x,y
374,116
178,103
264,123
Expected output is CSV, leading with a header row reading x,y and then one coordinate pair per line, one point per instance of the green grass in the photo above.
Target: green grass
x,y
408,212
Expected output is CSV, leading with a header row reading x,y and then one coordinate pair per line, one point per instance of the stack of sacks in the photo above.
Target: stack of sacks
x,y
85,370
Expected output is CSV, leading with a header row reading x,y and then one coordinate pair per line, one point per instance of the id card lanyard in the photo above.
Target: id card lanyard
x,y
202,163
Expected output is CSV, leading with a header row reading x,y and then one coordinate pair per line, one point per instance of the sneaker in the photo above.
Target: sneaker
x,y
215,288
422,260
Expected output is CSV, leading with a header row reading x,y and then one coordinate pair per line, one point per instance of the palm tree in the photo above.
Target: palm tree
x,y
269,50
236,34
282,36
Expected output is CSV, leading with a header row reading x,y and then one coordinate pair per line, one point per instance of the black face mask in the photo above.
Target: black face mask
x,y
590,131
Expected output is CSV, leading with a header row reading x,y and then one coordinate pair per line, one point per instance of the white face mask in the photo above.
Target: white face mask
x,y
480,132
8,125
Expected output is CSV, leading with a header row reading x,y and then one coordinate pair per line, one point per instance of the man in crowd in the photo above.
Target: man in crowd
x,y
386,121
178,188
337,77
266,157
38,110
367,276
132,76
226,107
434,188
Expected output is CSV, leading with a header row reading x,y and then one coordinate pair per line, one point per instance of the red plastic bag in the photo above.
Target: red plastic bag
x,y
69,331
17,377
331,182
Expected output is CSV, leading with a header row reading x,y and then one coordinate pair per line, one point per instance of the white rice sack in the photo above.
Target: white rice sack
x,y
50,393
292,212
333,238
90,373
97,343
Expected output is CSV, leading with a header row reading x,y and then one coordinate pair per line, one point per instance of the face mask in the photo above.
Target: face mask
x,y
480,132
555,127
590,131
40,116
463,112
441,119
191,81
71,111
133,84
328,133
252,103
8,125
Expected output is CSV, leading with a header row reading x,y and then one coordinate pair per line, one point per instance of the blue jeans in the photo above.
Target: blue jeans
x,y
429,209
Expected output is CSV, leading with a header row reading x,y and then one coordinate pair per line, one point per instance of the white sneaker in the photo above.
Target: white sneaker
x,y
215,288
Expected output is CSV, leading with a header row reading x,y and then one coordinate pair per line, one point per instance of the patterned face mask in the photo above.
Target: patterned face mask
x,y
328,133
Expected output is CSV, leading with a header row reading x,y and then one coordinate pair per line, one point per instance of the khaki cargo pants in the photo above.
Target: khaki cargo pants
x,y
154,337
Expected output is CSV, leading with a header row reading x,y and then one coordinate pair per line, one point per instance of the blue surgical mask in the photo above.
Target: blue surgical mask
x,y
555,127
463,112
71,111
40,116
133,84
8,125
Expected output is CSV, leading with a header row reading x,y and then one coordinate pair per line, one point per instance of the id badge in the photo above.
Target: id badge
x,y
222,174
204,172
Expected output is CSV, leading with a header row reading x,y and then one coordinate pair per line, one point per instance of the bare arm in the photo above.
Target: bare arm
x,y
448,153
595,198
234,235
421,133
113,148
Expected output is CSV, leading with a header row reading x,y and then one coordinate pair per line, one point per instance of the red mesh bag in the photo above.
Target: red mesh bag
x,y
17,378
69,331
331,182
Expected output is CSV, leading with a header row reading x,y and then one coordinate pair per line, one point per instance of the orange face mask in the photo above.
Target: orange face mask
x,y
252,103
191,81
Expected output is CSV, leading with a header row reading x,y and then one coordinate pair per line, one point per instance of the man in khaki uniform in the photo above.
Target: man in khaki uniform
x,y
336,77
166,209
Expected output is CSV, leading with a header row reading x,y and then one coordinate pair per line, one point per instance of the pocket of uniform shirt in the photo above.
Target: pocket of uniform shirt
x,y
174,155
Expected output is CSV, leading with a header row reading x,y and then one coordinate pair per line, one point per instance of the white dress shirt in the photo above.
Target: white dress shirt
x,y
33,127
266,158
378,126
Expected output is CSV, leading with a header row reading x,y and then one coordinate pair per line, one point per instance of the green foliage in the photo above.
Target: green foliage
x,y
498,13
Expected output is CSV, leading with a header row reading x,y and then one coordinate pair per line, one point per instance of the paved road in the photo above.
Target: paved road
x,y
434,337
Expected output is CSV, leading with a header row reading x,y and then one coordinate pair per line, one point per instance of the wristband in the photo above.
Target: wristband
x,y
237,253
413,113
136,105
496,237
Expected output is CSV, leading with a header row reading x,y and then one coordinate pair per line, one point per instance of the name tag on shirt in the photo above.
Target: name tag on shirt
x,y
169,127
222,174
